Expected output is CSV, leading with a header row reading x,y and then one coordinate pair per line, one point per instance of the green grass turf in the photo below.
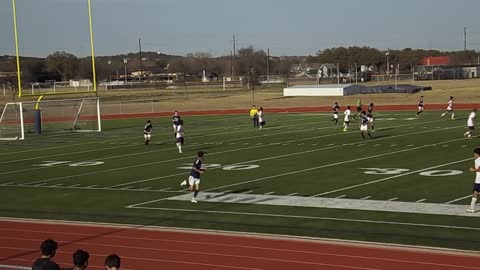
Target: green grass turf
x,y
296,153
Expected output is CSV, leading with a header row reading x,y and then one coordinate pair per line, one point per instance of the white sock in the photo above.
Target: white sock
x,y
472,204
179,146
443,114
453,115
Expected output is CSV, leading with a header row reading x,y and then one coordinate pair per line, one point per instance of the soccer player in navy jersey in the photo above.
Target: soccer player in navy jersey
x,y
420,106
147,131
175,118
194,178
336,110
370,117
364,124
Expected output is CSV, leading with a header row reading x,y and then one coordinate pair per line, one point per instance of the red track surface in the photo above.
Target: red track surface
x,y
149,248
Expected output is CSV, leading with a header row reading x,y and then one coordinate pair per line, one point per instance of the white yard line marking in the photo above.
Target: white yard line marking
x,y
367,221
366,198
459,199
166,141
393,199
92,186
222,152
269,193
421,200
292,194
316,195
248,192
346,162
398,175
76,185
341,196
129,187
6,184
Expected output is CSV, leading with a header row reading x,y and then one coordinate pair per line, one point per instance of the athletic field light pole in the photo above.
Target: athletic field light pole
x,y
92,47
387,54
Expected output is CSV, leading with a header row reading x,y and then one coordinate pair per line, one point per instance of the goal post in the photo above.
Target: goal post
x,y
50,117
11,122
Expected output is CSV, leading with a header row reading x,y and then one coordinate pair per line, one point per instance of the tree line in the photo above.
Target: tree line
x,y
63,66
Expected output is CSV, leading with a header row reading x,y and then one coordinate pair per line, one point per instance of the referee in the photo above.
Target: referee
x,y
254,116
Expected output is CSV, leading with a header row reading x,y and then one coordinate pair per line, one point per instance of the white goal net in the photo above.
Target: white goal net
x,y
49,116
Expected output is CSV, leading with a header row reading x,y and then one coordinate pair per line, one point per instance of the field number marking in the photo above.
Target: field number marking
x,y
240,167
394,171
52,163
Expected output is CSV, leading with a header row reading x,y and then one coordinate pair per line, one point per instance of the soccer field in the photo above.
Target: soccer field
x,y
301,175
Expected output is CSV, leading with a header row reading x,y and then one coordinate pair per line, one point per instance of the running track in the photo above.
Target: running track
x,y
156,248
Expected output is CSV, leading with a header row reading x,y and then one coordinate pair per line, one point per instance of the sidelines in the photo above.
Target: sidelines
x,y
367,221
229,151
393,177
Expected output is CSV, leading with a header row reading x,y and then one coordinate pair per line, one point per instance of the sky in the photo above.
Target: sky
x,y
287,27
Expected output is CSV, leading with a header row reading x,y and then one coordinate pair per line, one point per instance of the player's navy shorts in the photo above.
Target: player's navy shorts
x,y
476,187
180,140
420,105
471,128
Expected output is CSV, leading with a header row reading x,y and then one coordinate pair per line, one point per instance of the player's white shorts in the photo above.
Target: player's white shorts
x,y
363,127
147,136
420,108
449,109
370,119
335,116
193,181
175,128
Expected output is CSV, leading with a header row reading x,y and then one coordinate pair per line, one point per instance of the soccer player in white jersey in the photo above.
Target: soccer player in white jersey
x,y
346,119
261,118
449,109
476,185
147,131
179,134
471,124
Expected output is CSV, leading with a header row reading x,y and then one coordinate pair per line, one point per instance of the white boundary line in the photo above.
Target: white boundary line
x,y
437,226
459,199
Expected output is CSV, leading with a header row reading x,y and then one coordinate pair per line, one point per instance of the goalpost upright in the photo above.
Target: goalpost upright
x,y
17,52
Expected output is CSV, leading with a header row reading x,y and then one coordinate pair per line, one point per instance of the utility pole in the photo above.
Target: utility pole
x,y
231,65
125,61
465,38
268,66
234,55
141,58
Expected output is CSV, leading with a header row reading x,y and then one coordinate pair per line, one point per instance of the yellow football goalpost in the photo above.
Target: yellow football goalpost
x,y
17,52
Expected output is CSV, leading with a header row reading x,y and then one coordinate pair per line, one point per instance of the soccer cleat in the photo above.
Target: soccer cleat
x,y
193,201
470,210
184,183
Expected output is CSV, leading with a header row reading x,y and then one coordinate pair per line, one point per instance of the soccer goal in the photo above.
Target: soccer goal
x,y
50,117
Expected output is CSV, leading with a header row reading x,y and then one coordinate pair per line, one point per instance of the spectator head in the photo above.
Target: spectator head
x,y
80,259
112,262
48,248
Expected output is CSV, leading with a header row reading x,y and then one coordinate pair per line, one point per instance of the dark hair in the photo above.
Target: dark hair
x,y
261,108
451,97
148,121
200,153
49,247
421,96
371,104
364,112
477,151
348,107
80,258
112,261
